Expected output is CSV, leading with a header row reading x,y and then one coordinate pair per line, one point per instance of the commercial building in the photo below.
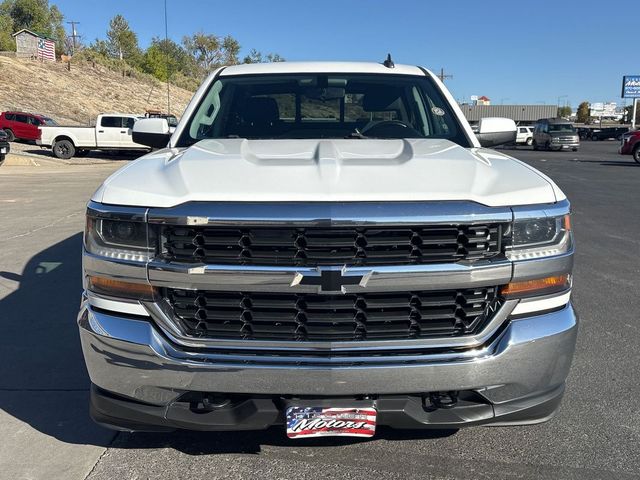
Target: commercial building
x,y
521,114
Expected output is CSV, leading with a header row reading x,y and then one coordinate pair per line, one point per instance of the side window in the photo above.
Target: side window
x,y
34,121
21,118
130,122
10,116
111,122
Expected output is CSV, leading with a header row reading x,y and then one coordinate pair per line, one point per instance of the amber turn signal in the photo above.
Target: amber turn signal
x,y
539,286
117,288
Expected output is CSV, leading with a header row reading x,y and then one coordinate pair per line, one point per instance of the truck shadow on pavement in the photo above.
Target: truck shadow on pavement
x,y
44,382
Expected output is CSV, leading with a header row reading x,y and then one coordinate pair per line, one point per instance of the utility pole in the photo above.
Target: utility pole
x,y
74,35
442,76
166,45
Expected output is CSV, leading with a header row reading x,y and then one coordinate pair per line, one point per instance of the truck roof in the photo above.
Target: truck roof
x,y
320,67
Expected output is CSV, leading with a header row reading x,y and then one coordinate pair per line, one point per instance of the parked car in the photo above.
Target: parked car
x,y
631,145
555,134
112,132
524,136
609,133
321,243
23,126
5,148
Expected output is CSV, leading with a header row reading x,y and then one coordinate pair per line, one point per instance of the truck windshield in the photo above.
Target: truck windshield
x,y
323,106
562,128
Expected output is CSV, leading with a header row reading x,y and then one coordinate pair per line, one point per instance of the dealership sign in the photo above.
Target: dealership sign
x,y
631,86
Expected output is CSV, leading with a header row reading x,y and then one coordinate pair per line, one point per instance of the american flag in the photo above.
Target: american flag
x,y
46,49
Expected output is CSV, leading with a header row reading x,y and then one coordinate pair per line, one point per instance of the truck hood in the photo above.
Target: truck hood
x,y
350,170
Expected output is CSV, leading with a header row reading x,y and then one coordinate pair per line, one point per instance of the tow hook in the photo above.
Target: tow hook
x,y
444,399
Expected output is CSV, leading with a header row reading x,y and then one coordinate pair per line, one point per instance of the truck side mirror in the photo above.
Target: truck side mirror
x,y
494,131
152,132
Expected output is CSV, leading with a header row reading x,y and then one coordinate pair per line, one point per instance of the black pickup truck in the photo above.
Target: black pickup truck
x,y
4,146
609,132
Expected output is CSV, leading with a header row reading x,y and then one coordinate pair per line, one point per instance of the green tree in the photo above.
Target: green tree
x,y
210,51
583,113
564,111
122,42
256,56
35,15
164,58
7,42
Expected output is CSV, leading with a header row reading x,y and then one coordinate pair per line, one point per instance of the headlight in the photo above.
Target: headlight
x,y
118,239
539,237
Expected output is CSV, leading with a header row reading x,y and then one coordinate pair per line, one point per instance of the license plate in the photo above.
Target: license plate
x,y
3,150
304,422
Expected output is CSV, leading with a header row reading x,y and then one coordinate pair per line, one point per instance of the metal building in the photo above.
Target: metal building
x,y
526,114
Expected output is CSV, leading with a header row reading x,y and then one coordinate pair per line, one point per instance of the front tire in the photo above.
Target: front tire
x,y
10,135
64,149
535,146
529,141
636,153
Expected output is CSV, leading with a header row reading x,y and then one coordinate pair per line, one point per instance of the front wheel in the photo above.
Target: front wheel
x,y
529,141
64,149
10,136
636,153
535,146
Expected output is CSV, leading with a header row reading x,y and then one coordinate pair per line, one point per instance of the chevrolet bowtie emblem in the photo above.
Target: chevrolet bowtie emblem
x,y
329,280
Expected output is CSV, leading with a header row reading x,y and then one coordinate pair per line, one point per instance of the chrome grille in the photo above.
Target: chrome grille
x,y
318,317
314,246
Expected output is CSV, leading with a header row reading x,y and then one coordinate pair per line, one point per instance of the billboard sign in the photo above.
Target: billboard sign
x,y
631,86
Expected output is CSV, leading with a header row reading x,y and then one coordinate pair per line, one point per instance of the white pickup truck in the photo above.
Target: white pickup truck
x,y
111,132
326,247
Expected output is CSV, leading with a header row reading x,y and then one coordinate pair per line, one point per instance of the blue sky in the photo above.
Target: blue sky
x,y
511,51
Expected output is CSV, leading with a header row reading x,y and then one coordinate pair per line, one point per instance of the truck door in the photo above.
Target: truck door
x,y
108,132
126,139
20,126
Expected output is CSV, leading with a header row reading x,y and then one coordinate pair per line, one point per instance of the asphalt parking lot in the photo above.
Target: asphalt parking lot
x,y
45,431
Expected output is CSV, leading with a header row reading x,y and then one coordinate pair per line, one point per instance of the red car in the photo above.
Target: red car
x,y
631,145
23,126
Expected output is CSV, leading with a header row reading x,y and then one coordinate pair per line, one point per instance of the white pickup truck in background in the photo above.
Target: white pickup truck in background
x,y
112,131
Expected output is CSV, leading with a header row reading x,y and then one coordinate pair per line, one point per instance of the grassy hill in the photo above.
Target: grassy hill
x,y
77,96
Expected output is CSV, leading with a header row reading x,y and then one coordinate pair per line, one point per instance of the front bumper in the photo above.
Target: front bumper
x,y
564,146
140,377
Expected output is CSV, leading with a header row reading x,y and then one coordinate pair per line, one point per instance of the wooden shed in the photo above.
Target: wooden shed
x,y
34,45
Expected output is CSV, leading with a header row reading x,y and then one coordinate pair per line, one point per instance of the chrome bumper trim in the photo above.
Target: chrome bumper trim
x,y
131,358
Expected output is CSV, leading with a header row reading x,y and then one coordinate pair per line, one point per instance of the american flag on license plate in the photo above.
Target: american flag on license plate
x,y
46,49
322,422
